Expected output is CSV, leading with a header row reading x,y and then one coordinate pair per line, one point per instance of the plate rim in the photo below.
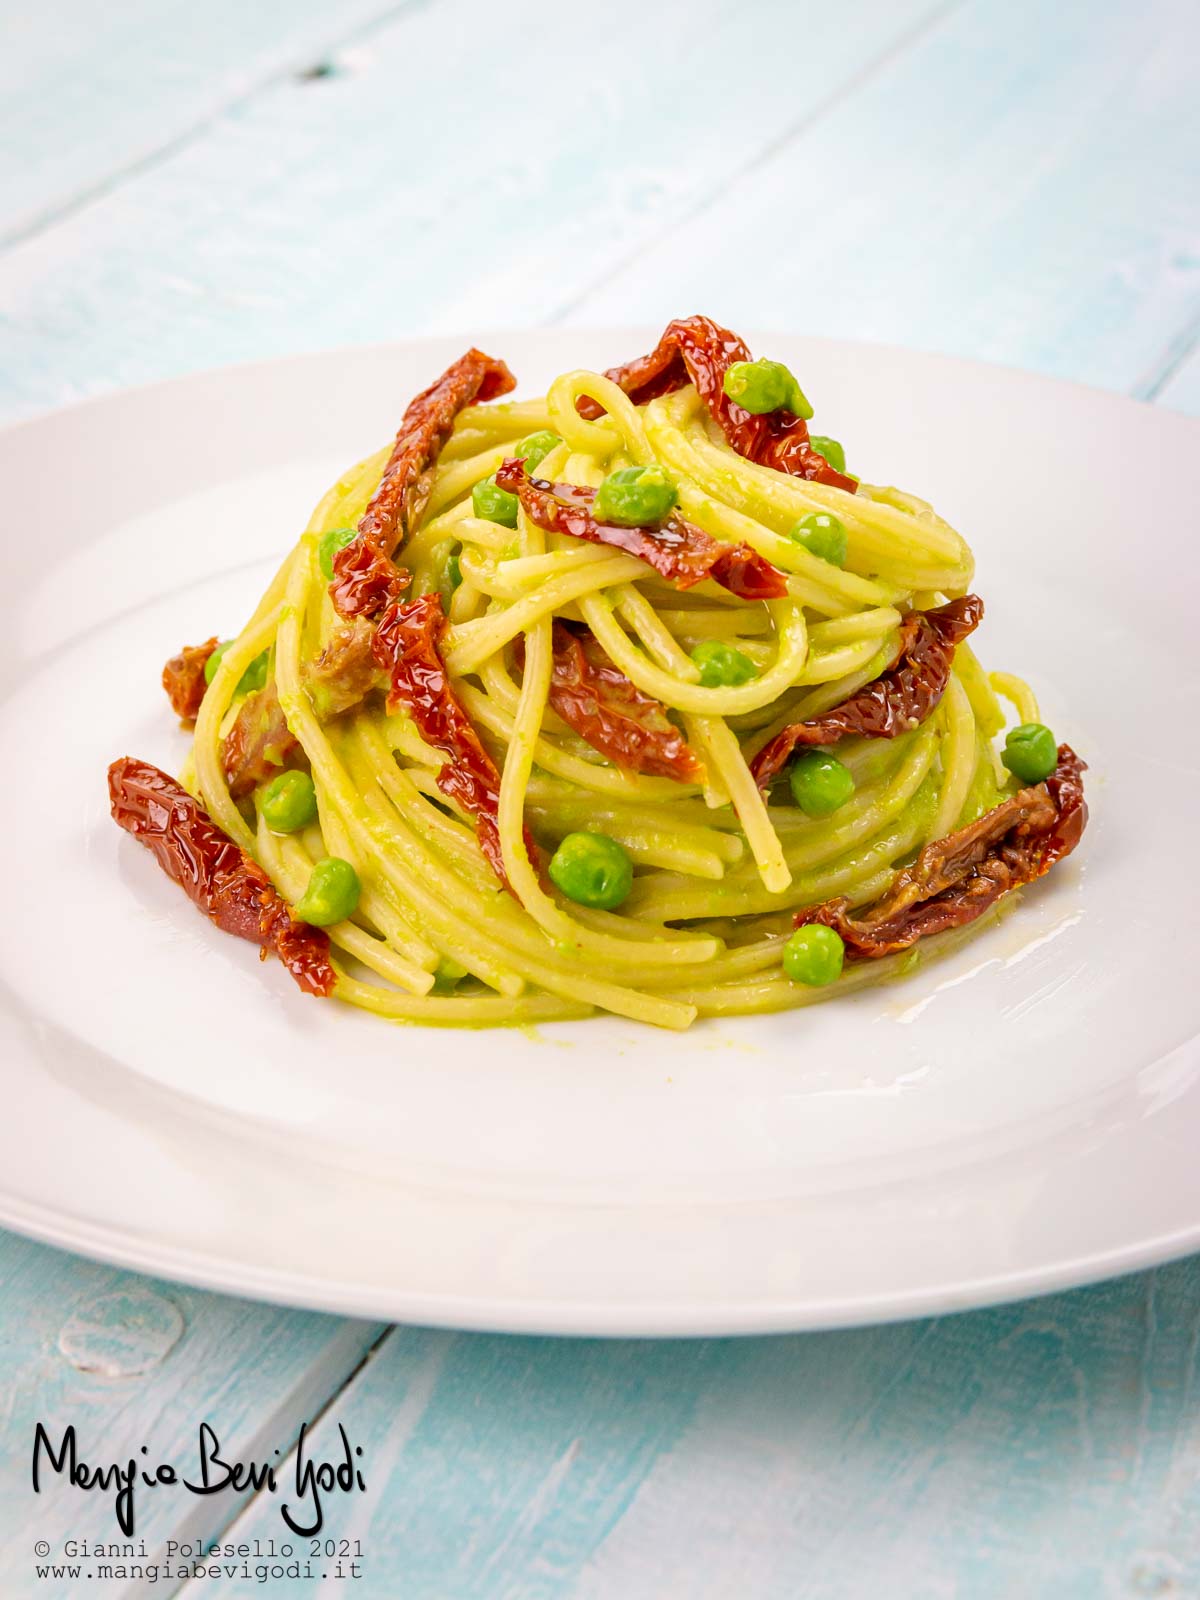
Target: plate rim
x,y
582,1318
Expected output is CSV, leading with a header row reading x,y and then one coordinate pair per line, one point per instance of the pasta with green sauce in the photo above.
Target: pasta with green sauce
x,y
628,698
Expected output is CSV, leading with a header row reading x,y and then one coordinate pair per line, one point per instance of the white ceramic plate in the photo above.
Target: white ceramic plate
x,y
1023,1116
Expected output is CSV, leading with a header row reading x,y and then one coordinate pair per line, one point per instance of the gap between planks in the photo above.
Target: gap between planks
x,y
306,59
240,1508
899,46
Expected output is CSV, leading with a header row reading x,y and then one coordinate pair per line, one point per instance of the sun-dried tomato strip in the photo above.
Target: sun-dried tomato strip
x,y
259,744
677,550
954,880
365,579
898,700
407,641
698,350
595,699
230,887
183,679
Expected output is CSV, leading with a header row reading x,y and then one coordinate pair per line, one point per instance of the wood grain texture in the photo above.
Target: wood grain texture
x,y
1048,1448
89,94
467,166
131,1361
1018,186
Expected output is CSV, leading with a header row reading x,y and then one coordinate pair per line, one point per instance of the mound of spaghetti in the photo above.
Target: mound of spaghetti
x,y
629,698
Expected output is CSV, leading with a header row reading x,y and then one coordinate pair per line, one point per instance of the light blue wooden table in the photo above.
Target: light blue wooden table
x,y
184,185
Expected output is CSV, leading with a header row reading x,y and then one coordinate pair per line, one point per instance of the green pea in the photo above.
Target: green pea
x,y
332,893
635,497
494,504
721,665
822,534
830,449
289,802
820,784
254,677
1030,752
761,386
814,956
534,450
214,660
446,572
447,975
328,546
593,870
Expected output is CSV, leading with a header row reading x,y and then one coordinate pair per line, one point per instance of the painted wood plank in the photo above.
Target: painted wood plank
x,y
1019,186
1181,390
470,166
1051,1447
89,91
133,1361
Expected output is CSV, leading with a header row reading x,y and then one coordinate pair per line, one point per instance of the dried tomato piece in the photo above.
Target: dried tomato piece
x,y
259,744
597,701
406,647
677,550
183,679
698,350
899,699
954,880
365,580
230,887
